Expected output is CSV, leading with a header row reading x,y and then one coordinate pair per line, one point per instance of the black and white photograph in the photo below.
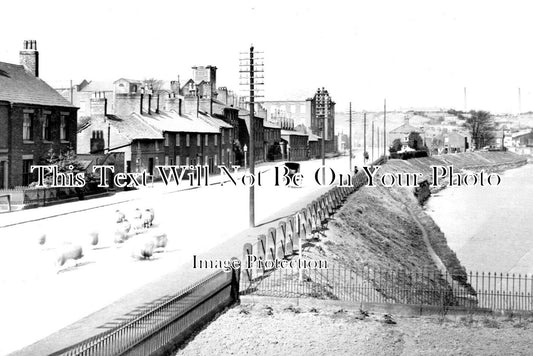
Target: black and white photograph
x,y
266,177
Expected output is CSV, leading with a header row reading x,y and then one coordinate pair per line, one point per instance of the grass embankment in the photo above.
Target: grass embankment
x,y
377,226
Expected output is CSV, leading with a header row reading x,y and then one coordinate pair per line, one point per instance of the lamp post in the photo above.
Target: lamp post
x,y
245,149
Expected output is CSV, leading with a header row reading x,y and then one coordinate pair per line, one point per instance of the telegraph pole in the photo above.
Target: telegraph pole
x,y
377,136
249,67
384,129
372,140
351,136
322,107
364,138
519,102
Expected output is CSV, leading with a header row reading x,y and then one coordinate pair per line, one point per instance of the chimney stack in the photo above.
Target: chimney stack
x,y
29,57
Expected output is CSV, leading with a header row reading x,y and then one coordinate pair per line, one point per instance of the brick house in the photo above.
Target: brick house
x,y
272,135
34,118
187,140
295,147
304,112
402,132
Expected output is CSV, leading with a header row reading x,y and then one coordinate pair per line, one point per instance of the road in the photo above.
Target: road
x,y
38,299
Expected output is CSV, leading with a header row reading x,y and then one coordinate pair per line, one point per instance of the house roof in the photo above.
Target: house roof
x,y
213,121
313,137
135,81
96,86
405,128
173,122
292,133
19,86
134,128
127,129
521,133
270,125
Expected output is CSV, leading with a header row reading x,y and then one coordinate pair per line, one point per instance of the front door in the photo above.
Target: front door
x,y
151,166
3,174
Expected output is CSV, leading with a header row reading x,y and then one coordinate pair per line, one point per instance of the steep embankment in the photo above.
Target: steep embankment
x,y
386,228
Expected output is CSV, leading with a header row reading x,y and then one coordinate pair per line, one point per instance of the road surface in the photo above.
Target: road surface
x,y
38,299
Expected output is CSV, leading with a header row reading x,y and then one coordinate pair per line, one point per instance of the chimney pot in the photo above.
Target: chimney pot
x,y
29,57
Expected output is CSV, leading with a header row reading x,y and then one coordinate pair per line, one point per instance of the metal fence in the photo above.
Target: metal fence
x,y
165,324
364,284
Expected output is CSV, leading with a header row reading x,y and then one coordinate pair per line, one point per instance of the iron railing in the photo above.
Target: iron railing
x,y
475,290
164,324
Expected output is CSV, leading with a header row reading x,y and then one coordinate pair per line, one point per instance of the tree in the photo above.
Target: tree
x,y
396,145
66,162
416,142
154,84
480,125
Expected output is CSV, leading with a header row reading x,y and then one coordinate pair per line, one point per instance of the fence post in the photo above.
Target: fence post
x,y
235,282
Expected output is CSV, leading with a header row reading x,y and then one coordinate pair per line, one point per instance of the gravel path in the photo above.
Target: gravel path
x,y
281,329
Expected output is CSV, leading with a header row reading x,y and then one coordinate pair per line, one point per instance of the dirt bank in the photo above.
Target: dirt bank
x,y
386,228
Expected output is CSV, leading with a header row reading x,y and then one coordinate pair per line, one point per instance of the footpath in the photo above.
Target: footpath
x,y
156,188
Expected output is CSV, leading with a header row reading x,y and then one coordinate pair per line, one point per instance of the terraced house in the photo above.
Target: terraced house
x,y
34,118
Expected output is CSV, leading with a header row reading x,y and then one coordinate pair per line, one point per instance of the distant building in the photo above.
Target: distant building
x,y
150,136
402,132
457,142
34,119
523,138
299,111
272,135
304,112
294,145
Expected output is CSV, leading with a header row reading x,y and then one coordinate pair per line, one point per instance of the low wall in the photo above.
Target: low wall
x,y
27,197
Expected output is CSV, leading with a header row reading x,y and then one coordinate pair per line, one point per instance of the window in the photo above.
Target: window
x,y
293,109
207,139
187,140
166,139
47,132
166,161
187,161
215,160
198,140
216,140
27,127
178,161
138,145
302,108
63,127
156,143
206,162
178,137
26,171
222,138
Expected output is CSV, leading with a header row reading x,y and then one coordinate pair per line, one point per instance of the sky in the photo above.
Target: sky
x,y
416,54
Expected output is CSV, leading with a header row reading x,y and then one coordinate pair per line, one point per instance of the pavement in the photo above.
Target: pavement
x,y
18,217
